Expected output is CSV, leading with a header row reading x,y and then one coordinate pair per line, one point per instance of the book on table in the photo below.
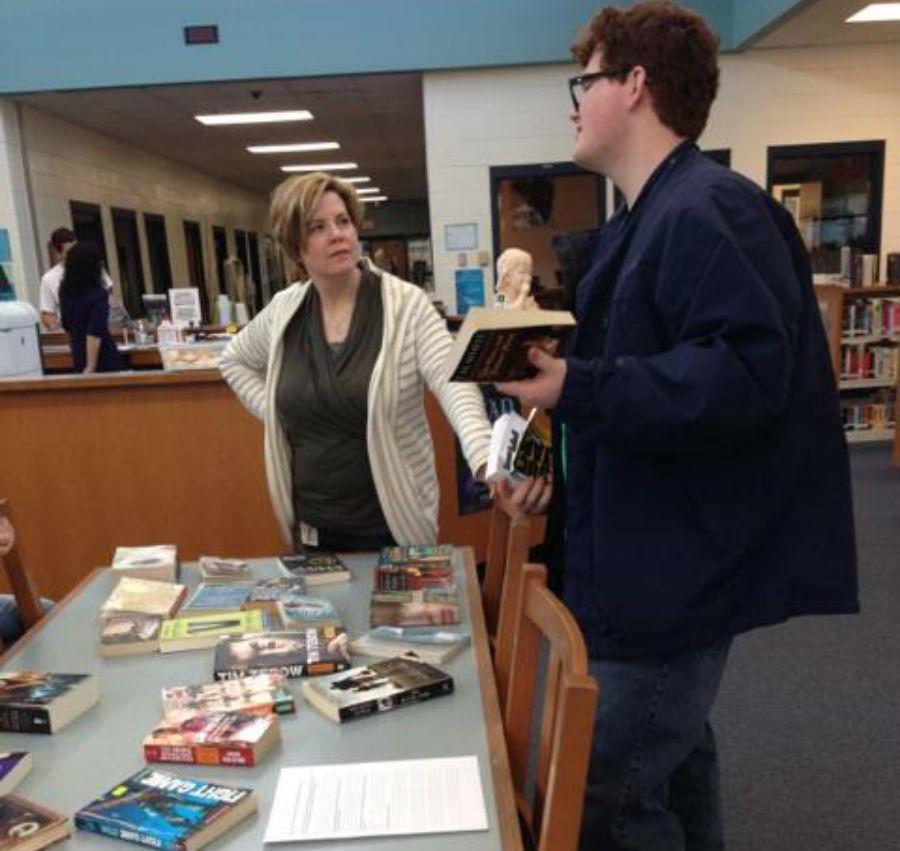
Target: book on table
x,y
217,597
414,613
13,768
368,644
129,634
378,687
217,569
26,826
165,811
307,611
268,593
307,652
212,738
157,561
200,631
438,554
144,596
264,694
315,568
492,345
40,702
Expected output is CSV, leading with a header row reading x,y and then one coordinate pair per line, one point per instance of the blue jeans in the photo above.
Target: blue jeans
x,y
11,628
653,779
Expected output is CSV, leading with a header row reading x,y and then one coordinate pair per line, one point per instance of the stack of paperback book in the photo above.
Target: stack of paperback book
x,y
132,615
315,568
159,561
39,702
415,586
217,569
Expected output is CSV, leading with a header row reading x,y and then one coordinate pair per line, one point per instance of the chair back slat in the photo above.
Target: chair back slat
x,y
21,583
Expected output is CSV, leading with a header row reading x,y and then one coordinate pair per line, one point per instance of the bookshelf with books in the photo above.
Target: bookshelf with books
x,y
863,328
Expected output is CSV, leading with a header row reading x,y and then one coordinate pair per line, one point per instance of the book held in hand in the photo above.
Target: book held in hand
x,y
263,694
212,738
520,448
216,569
199,631
492,345
165,811
13,768
158,561
315,568
144,596
376,688
25,826
308,652
38,702
129,634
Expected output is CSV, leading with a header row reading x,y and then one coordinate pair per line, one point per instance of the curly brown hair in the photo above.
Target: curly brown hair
x,y
675,47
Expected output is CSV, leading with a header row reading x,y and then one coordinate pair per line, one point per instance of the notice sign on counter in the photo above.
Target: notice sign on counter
x,y
184,305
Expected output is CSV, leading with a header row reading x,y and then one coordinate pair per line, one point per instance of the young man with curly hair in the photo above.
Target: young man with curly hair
x,y
707,474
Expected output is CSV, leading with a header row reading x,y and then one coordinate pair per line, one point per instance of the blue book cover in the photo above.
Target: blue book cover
x,y
164,811
218,597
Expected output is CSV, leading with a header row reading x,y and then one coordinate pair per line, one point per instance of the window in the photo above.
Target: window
x,y
255,271
833,192
220,244
533,204
128,253
158,252
88,225
193,244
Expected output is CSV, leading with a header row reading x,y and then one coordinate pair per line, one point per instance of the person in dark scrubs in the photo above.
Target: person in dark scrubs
x,y
706,472
84,305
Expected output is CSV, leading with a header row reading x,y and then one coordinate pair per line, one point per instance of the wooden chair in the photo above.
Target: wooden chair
x,y
552,818
21,583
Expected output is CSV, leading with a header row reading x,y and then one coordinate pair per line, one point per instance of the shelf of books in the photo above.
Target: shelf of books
x,y
863,327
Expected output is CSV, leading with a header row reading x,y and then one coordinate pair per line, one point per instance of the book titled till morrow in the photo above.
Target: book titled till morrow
x,y
39,702
379,687
492,344
306,652
167,812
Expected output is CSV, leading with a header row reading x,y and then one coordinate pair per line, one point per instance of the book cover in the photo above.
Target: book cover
x,y
168,812
520,448
415,577
13,768
425,613
315,568
40,702
268,593
378,687
198,631
144,596
438,554
129,634
158,561
27,825
307,611
263,694
212,738
216,569
492,345
301,653
217,597
386,648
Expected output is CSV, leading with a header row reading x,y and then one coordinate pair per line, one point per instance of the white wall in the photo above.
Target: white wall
x,y
517,116
68,162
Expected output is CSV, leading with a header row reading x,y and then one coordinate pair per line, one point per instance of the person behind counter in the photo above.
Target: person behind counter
x,y
84,306
335,368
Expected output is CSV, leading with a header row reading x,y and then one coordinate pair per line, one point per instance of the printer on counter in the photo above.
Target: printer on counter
x,y
20,348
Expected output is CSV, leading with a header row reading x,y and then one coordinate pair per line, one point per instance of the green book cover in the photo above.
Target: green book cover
x,y
232,623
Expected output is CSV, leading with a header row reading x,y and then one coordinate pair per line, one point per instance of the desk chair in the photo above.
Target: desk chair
x,y
25,607
551,817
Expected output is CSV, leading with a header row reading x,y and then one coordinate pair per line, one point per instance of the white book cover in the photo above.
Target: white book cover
x,y
397,798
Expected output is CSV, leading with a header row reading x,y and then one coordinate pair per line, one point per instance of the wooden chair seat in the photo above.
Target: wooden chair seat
x,y
568,703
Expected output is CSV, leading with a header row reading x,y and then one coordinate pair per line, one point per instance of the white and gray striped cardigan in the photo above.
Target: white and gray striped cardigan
x,y
414,349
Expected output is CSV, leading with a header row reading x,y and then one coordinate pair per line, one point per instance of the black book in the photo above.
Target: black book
x,y
38,702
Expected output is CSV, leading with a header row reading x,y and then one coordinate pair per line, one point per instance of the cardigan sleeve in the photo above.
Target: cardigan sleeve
x,y
462,403
245,361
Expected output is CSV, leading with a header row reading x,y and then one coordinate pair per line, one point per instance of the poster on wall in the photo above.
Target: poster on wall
x,y
5,249
473,496
461,237
184,304
469,289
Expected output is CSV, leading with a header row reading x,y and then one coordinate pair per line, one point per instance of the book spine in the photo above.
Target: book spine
x,y
21,719
95,824
417,695
241,755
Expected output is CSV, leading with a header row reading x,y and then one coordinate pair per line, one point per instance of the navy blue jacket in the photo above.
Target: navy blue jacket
x,y
87,314
708,487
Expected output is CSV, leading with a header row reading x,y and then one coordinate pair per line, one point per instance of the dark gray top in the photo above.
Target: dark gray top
x,y
322,405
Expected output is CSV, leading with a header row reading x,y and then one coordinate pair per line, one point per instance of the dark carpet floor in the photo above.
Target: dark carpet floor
x,y
808,718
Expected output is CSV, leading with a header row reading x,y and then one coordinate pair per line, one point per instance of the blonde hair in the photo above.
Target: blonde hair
x,y
294,201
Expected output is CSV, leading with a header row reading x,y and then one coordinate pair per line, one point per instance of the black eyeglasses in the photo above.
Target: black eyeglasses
x,y
583,82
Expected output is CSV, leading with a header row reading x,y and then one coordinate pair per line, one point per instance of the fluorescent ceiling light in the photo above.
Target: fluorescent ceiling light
x,y
368,190
321,167
293,149
356,179
875,12
368,199
255,117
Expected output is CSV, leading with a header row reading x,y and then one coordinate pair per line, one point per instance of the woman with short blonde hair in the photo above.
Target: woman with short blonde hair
x,y
335,367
